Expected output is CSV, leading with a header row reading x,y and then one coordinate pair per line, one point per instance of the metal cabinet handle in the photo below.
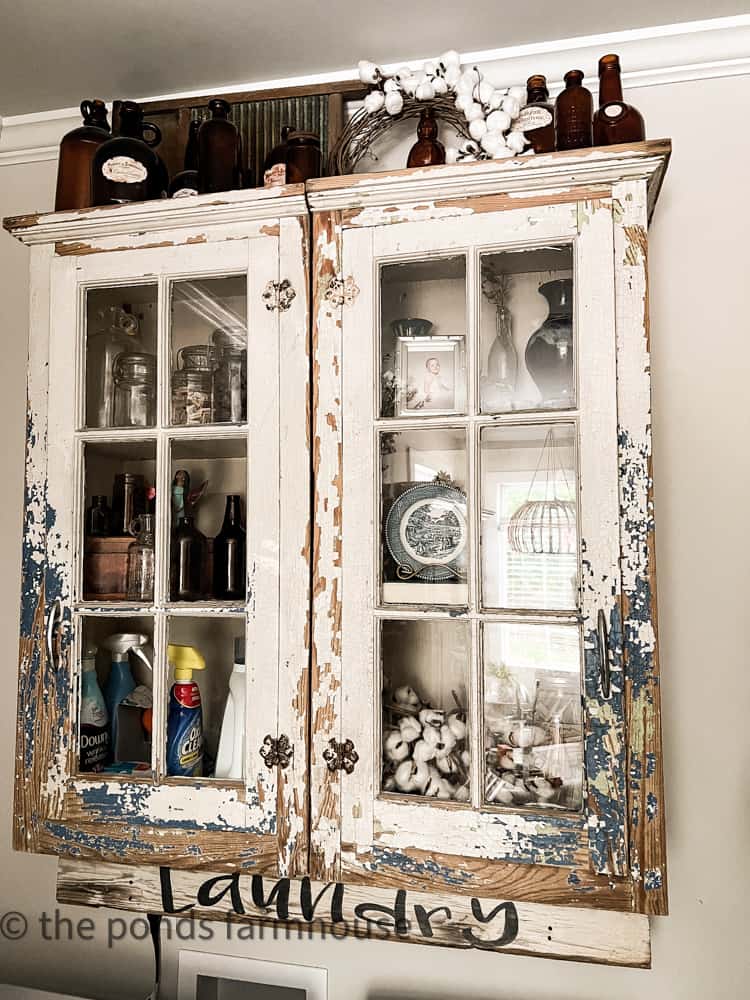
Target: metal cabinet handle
x,y
604,668
54,617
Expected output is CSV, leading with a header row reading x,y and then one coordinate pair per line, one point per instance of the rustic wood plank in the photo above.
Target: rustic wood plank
x,y
487,924
648,861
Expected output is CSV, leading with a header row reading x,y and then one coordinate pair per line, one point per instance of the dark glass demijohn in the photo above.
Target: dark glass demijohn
x,y
188,554
126,168
537,119
426,151
574,110
614,120
218,151
77,151
229,582
549,352
186,182
303,157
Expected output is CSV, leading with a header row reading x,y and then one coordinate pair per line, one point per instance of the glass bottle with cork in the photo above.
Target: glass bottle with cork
x,y
573,113
615,121
229,582
537,119
218,151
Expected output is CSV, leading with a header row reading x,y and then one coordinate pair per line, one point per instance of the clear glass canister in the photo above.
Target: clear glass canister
x,y
135,395
141,559
117,333
230,387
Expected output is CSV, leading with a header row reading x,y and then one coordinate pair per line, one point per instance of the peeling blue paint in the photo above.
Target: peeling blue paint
x,y
652,879
650,764
652,806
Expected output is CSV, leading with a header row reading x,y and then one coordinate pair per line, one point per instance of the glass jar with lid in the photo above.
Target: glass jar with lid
x,y
116,334
135,394
230,387
141,559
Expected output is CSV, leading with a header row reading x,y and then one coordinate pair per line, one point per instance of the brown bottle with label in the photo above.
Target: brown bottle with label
x,y
218,151
537,118
126,168
186,182
615,121
574,110
77,151
426,151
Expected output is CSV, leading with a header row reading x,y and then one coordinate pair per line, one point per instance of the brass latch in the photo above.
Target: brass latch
x,y
276,752
340,756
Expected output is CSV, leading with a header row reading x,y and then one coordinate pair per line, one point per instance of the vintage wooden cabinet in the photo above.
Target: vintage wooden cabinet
x,y
463,511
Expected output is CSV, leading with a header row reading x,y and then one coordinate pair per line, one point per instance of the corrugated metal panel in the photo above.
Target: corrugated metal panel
x,y
260,123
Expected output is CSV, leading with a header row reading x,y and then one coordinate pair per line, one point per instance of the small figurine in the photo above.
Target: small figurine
x,y
426,151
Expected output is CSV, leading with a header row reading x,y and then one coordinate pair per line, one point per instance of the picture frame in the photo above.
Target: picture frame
x,y
430,376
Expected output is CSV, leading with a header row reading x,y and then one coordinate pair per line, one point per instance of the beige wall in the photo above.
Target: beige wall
x,y
700,271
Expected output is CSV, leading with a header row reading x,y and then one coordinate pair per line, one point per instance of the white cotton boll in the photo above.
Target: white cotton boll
x,y
445,764
496,99
430,68
462,794
473,112
420,76
469,158
511,105
452,75
463,102
368,71
485,92
394,103
451,154
395,747
404,776
445,791
424,92
410,729
503,153
390,85
403,72
519,93
431,735
432,717
515,141
423,751
389,784
492,141
409,85
439,85
447,740
457,726
374,101
406,695
498,121
469,78
477,128
466,758
450,58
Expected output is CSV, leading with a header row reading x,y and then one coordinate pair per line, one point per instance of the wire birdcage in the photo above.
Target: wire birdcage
x,y
548,526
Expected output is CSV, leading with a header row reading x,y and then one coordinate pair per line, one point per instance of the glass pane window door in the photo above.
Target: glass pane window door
x,y
475,562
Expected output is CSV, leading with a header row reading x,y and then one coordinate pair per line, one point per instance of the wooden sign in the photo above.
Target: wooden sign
x,y
362,911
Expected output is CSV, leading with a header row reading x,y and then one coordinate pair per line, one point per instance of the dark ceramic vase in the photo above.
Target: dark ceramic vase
x,y
549,352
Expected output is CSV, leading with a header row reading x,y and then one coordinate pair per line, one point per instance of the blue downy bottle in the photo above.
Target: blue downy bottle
x,y
185,716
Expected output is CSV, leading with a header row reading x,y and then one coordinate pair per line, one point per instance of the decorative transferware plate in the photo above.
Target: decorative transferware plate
x,y
426,532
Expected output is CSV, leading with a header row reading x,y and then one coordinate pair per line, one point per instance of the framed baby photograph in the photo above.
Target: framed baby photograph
x,y
430,376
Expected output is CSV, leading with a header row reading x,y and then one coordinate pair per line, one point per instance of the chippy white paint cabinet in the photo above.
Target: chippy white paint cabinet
x,y
460,644
183,269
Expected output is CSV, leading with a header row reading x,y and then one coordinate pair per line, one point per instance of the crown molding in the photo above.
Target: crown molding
x,y
143,217
656,56
604,165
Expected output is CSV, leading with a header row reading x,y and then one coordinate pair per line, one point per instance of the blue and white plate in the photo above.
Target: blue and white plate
x,y
427,534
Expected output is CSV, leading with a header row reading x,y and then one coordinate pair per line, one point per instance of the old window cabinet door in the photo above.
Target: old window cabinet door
x,y
360,830
255,824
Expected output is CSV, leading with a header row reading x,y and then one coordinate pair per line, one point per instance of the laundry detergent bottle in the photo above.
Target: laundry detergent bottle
x,y
230,760
94,735
185,717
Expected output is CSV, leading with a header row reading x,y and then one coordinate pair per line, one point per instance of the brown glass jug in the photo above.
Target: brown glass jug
x,y
614,120
537,118
77,151
426,151
186,181
126,168
274,165
303,157
218,151
574,111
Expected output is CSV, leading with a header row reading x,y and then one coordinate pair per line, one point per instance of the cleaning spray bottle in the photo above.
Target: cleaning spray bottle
x,y
94,735
185,716
120,682
230,760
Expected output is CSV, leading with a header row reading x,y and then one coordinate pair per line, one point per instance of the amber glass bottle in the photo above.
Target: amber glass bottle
x,y
218,151
426,151
537,119
77,151
615,121
574,110
186,182
126,168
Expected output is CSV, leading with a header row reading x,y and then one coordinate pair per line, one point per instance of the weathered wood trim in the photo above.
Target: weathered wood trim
x,y
487,924
149,217
434,871
648,862
327,453
518,176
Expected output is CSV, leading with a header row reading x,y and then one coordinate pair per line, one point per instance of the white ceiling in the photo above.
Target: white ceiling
x,y
53,53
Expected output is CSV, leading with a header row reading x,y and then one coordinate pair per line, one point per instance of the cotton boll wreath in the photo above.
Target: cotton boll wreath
x,y
424,748
480,114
